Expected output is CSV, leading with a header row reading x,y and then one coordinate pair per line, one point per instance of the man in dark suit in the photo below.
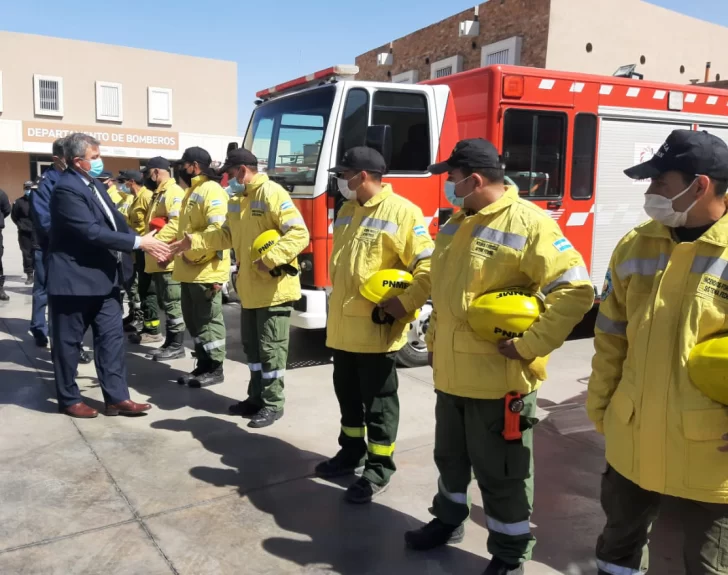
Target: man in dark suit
x,y
85,273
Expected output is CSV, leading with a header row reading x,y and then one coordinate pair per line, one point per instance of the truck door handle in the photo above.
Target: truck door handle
x,y
553,204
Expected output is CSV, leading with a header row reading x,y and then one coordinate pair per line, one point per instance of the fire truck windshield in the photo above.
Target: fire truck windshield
x,y
286,134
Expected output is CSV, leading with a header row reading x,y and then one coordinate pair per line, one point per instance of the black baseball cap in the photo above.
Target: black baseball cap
x,y
158,163
475,153
133,175
105,175
196,154
239,157
687,151
361,159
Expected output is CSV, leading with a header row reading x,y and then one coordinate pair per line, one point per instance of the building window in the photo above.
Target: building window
x,y
353,130
48,95
534,146
583,157
409,77
446,67
160,106
408,116
506,52
108,102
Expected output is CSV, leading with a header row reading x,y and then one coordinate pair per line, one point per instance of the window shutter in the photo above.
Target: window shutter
x,y
109,101
160,106
500,57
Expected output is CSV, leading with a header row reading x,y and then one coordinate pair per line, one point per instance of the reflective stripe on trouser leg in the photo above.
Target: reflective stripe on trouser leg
x,y
273,328
613,569
169,292
208,312
147,296
351,407
378,384
451,503
249,337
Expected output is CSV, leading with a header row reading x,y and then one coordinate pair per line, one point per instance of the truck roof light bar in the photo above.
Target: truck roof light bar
x,y
335,72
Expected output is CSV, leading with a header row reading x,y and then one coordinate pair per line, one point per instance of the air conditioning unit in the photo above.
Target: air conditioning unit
x,y
385,59
469,28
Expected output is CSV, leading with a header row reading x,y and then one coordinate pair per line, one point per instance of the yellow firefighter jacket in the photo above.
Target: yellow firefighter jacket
x,y
166,204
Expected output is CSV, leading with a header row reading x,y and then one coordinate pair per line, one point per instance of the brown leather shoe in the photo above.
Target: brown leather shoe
x,y
79,410
127,407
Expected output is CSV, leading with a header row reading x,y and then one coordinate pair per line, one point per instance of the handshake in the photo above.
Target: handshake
x,y
162,252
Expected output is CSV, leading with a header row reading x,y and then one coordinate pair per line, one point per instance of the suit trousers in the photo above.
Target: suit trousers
x,y
71,316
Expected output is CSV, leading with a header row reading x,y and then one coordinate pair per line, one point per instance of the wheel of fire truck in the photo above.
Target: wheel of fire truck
x,y
414,352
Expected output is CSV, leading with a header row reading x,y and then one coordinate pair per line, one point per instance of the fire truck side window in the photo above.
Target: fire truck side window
x,y
584,156
407,114
355,122
534,146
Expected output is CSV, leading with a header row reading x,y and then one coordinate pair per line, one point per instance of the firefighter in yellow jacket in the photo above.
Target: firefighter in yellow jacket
x,y
164,211
374,230
497,241
267,293
202,271
666,291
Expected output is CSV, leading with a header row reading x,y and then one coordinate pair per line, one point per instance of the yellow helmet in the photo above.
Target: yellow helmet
x,y
503,314
384,285
263,243
708,368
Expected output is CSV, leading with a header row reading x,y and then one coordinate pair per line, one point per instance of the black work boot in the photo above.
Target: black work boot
x,y
265,418
434,534
499,567
137,325
364,491
212,376
245,408
84,356
29,280
173,348
3,295
200,368
339,465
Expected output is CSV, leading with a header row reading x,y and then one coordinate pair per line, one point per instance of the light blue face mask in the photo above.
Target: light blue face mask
x,y
455,200
124,189
97,166
235,186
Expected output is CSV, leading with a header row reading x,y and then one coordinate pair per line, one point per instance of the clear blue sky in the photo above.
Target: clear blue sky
x,y
271,41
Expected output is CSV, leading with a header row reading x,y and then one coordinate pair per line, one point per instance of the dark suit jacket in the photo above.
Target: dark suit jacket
x,y
82,256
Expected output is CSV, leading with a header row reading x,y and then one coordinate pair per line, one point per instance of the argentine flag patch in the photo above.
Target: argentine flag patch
x,y
420,231
563,244
286,205
215,203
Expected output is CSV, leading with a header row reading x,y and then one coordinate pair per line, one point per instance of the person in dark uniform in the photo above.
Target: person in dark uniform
x,y
20,214
4,213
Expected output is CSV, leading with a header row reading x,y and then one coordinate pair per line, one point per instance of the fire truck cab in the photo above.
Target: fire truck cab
x,y
565,140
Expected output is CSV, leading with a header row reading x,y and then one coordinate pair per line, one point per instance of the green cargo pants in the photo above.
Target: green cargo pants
x,y
202,312
147,295
265,333
631,511
132,290
169,293
468,439
366,386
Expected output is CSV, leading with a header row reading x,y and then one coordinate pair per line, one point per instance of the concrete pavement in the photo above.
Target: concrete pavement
x,y
188,489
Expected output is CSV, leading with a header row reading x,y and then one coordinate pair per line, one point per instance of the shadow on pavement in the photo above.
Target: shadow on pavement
x,y
350,539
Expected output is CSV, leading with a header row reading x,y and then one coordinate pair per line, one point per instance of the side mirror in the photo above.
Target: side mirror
x,y
380,138
332,188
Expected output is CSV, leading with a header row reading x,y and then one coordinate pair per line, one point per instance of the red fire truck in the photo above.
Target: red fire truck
x,y
564,137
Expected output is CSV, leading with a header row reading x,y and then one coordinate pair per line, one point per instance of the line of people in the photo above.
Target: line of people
x,y
496,241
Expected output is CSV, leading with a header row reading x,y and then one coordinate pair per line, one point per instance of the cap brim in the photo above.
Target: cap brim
x,y
644,171
441,168
338,169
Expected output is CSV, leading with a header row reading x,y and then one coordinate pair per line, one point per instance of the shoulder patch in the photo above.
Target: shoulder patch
x,y
563,244
215,203
286,205
607,287
420,231
176,201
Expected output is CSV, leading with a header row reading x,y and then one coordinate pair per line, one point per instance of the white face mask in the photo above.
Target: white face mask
x,y
660,209
344,188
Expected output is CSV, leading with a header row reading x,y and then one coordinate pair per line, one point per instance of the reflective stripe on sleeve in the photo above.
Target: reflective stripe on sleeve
x,y
611,326
613,569
449,229
642,266
234,207
292,222
215,219
381,450
259,206
578,273
275,374
214,345
513,529
717,267
255,366
461,498
383,225
161,199
175,321
174,214
353,431
507,239
196,198
342,221
423,255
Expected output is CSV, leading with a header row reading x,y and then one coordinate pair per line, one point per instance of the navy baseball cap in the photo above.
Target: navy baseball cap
x,y
687,151
239,157
361,159
196,154
158,163
475,153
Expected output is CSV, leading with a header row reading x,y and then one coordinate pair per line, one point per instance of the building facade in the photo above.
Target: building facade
x,y
590,36
137,103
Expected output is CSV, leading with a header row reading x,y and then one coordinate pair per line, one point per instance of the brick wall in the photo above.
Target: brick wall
x,y
499,20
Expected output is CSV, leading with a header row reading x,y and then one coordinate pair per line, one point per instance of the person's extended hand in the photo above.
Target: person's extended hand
x,y
508,348
159,250
182,245
261,266
393,307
